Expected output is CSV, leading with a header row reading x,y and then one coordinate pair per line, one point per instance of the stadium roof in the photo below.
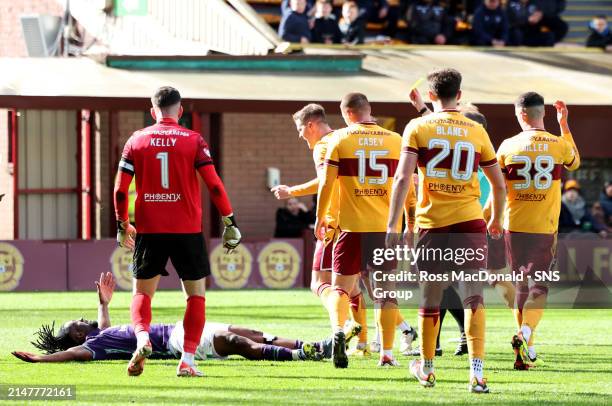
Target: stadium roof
x,y
490,77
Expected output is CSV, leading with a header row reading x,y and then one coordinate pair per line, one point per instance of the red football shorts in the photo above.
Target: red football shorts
x,y
454,247
354,252
496,258
528,252
322,261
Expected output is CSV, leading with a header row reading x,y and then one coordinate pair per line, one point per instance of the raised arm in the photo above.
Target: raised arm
x,y
562,117
105,287
417,102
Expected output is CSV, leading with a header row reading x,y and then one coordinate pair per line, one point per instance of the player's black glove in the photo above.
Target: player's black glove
x,y
231,234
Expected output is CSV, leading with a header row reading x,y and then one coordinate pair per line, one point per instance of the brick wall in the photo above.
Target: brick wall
x,y
6,182
11,34
250,143
129,121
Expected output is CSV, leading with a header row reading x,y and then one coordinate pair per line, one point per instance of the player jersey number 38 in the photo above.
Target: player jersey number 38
x,y
532,162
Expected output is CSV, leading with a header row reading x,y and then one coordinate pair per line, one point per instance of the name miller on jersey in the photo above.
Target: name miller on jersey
x,y
535,148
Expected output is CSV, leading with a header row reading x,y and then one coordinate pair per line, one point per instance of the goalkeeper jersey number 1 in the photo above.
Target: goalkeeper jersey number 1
x,y
164,158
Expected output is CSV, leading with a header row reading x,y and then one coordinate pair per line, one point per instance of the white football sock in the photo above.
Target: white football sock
x,y
188,358
526,330
142,338
427,366
403,326
532,351
295,355
361,346
476,366
388,353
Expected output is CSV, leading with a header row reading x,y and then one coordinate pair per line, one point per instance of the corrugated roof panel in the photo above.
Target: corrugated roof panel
x,y
188,27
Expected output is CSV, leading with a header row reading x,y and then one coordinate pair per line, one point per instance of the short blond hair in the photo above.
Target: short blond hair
x,y
310,112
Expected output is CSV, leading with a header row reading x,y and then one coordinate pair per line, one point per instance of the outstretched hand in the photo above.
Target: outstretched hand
x,y
26,356
281,192
105,287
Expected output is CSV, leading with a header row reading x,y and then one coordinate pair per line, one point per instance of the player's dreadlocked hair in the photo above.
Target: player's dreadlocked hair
x,y
47,341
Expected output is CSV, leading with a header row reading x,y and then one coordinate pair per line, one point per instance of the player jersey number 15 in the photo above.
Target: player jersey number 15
x,y
374,166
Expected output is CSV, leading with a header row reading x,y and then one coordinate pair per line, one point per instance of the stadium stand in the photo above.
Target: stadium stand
x,y
578,14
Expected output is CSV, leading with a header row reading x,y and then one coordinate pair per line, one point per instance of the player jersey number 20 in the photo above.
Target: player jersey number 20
x,y
456,171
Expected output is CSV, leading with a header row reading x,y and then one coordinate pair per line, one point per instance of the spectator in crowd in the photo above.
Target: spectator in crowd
x,y
380,11
325,29
373,10
600,36
574,214
309,7
293,219
518,12
605,199
600,221
490,25
352,24
462,8
546,17
429,23
294,26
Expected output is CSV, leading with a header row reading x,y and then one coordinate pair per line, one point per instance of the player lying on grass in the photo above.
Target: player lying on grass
x,y
85,340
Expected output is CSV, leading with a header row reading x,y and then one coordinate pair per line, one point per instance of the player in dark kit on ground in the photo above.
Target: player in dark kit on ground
x,y
165,158
88,340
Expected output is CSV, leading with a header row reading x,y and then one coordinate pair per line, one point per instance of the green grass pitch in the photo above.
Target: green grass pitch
x,y
575,345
